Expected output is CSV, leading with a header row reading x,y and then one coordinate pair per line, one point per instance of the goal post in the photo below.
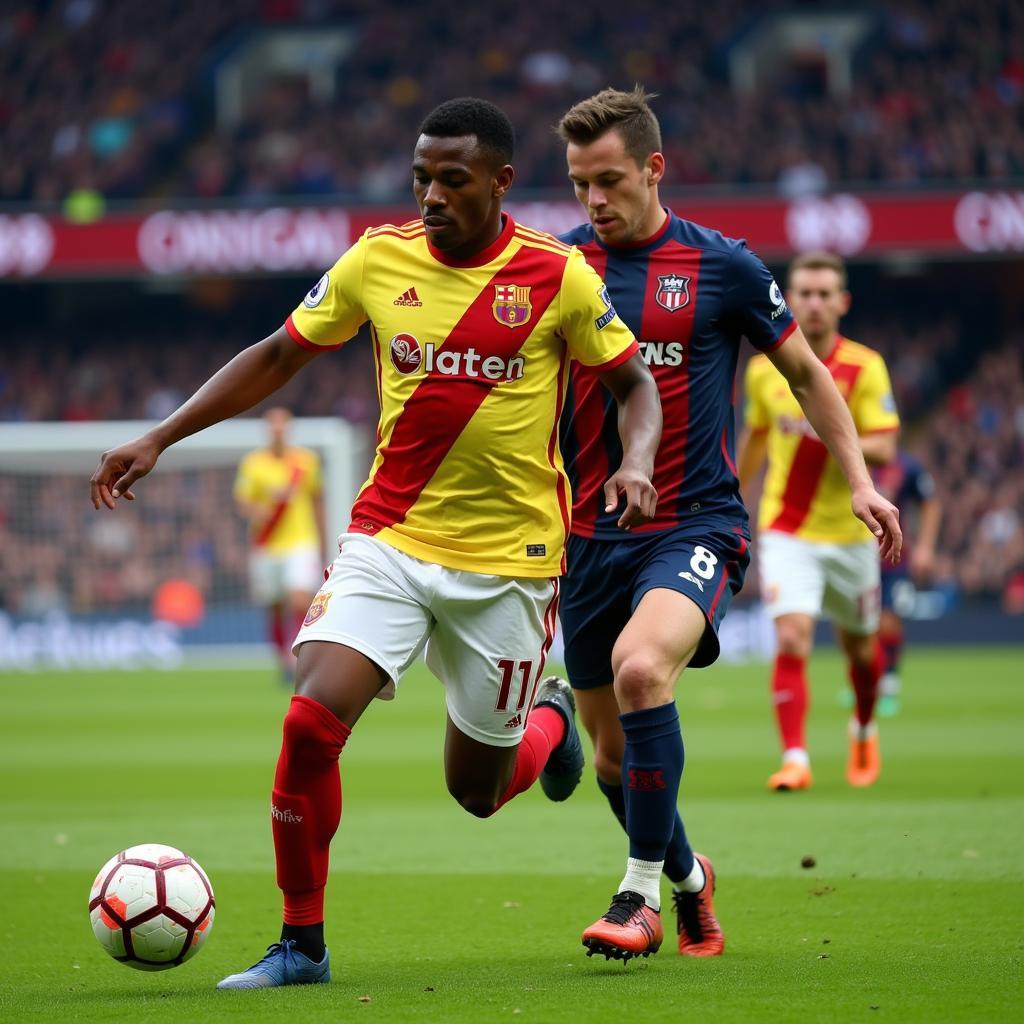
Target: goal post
x,y
79,588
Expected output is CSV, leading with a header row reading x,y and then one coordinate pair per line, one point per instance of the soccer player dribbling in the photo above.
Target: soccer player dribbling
x,y
456,541
639,608
278,490
817,557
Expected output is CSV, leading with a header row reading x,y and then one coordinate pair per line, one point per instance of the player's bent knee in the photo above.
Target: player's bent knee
x,y
479,804
640,680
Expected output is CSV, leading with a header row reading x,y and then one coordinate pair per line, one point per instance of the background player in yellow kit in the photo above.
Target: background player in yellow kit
x,y
457,539
279,491
815,556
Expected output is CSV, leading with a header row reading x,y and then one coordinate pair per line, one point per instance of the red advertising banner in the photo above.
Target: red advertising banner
x,y
299,239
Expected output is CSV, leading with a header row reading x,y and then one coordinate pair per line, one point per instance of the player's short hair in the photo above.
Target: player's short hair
x,y
820,259
628,113
468,115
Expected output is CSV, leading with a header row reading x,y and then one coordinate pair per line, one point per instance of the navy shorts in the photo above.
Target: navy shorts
x,y
607,578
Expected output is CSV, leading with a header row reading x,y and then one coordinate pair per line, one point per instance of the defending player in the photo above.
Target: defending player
x,y
908,485
816,557
638,608
457,538
278,489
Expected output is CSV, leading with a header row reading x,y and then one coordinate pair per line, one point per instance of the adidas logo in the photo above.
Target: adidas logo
x,y
514,722
286,815
408,298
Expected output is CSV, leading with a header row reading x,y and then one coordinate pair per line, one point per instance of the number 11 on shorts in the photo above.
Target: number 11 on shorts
x,y
508,673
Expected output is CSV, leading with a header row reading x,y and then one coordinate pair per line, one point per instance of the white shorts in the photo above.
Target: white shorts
x,y
486,637
274,576
840,581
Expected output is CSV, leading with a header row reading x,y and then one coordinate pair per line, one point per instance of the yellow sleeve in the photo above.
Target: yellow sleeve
x,y
872,404
332,310
756,414
245,480
593,331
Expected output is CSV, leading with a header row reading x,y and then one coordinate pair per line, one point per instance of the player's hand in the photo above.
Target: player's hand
x,y
882,519
119,469
641,497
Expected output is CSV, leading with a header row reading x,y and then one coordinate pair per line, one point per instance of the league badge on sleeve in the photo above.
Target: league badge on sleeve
x,y
609,310
673,292
316,294
512,305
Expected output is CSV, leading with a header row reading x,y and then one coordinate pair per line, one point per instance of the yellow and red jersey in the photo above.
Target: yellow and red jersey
x,y
283,488
805,492
472,361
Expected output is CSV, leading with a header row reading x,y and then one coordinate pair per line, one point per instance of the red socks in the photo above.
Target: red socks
x,y
892,648
865,686
789,690
545,729
306,806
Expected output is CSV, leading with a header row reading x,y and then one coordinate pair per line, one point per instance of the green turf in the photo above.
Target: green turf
x,y
913,912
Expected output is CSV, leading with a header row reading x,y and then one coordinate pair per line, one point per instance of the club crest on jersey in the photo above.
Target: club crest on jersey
x,y
673,292
511,304
405,353
316,609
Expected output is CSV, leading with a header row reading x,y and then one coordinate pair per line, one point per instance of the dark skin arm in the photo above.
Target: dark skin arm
x,y
254,374
636,393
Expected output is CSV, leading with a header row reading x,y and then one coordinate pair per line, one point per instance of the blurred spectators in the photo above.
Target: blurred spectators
x,y
114,97
975,448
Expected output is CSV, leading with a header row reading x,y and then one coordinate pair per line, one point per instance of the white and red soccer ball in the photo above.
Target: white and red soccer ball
x,y
151,907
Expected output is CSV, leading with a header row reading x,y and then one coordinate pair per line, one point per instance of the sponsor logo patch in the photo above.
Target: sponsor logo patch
x,y
405,353
609,310
778,300
408,298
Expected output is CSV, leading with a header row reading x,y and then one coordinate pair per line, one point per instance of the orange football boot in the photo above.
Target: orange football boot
x,y
865,762
792,775
629,929
697,928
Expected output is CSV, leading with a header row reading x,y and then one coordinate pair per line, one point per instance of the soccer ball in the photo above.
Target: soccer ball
x,y
151,907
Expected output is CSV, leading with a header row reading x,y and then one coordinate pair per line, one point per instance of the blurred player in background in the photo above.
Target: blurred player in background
x,y
638,608
909,486
816,556
279,491
457,539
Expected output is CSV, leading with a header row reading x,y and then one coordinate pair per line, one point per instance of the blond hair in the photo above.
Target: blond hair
x,y
820,259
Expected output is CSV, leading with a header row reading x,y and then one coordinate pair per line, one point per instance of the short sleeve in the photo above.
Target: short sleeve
x,y
872,403
754,303
755,410
594,333
332,310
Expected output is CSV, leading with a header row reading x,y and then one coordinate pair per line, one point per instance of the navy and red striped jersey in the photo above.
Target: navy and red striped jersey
x,y
689,294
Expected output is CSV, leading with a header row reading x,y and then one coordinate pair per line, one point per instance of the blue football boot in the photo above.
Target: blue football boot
x,y
283,965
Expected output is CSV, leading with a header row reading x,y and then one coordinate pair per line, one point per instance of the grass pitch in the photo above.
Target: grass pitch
x,y
912,912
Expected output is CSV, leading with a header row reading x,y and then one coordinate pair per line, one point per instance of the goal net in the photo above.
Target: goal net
x,y
159,582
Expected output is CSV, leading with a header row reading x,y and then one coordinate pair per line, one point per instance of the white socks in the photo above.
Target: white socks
x,y
694,881
796,755
644,877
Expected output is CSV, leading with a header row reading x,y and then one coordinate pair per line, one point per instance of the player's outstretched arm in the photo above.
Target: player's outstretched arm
x,y
251,376
813,387
633,386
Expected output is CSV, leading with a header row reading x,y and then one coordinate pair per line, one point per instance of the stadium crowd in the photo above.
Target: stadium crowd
x,y
94,106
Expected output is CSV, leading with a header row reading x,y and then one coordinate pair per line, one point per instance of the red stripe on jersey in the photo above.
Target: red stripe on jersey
x,y
588,426
809,462
725,452
659,326
437,412
297,336
793,325
404,235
